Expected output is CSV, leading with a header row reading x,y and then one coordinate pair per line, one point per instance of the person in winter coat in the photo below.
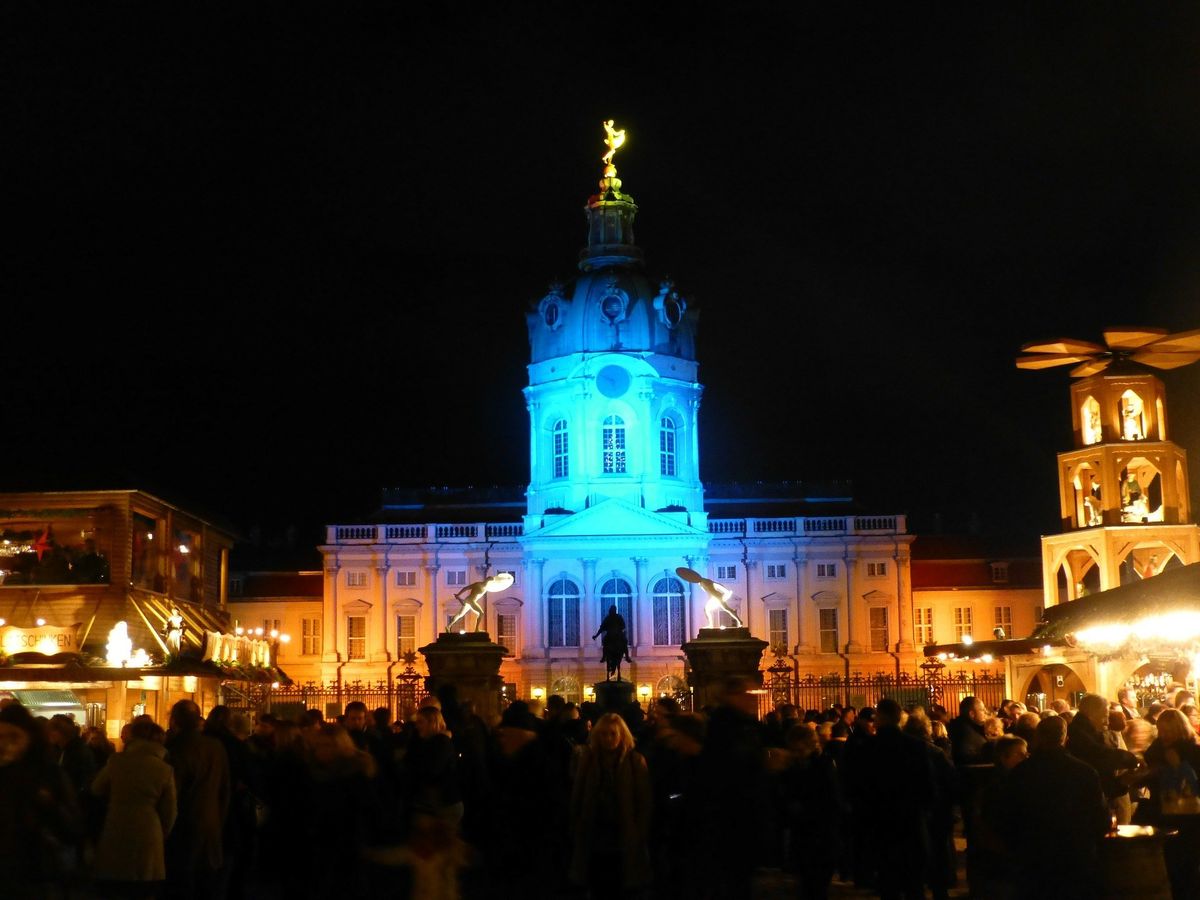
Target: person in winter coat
x,y
140,788
194,849
610,813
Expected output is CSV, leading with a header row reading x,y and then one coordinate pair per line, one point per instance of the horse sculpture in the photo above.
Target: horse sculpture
x,y
615,645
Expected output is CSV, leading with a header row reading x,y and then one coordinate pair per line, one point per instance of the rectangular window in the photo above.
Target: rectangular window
x,y
726,573
923,619
310,642
456,577
1004,619
876,569
879,629
962,622
829,630
406,578
356,637
269,626
666,448
1000,573
406,635
506,632
777,570
613,436
827,570
562,465
356,579
777,626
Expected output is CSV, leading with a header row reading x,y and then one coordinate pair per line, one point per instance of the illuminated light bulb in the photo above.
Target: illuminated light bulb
x,y
274,685
967,640
239,630
987,658
149,535
183,548
285,638
3,622
942,656
1046,650
258,632
40,622
274,633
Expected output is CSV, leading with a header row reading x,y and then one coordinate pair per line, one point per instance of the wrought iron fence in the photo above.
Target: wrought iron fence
x,y
925,688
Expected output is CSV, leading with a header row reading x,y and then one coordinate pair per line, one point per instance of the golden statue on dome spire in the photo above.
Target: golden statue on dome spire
x,y
614,141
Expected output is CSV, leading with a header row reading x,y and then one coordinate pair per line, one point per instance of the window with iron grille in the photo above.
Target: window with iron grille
x,y
406,635
562,463
828,624
777,627
356,637
667,598
562,601
310,637
879,628
613,448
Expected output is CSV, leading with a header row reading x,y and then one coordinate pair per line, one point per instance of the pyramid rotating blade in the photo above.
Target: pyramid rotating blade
x,y
1063,345
1181,341
1091,367
1049,360
1160,360
1130,338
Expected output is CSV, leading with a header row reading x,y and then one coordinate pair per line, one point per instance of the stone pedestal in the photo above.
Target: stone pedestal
x,y
614,696
718,654
471,662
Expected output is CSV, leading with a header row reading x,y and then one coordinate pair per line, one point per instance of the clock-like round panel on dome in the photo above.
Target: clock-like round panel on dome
x,y
613,381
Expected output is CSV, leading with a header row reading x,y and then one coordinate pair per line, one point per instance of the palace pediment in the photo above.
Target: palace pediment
x,y
616,517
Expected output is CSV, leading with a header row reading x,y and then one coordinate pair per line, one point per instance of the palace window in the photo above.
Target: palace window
x,y
310,637
406,578
777,628
827,570
876,569
668,612
506,632
562,465
923,620
777,570
613,437
617,592
727,573
666,447
456,577
406,635
356,637
828,623
562,601
962,622
356,579
1004,619
879,629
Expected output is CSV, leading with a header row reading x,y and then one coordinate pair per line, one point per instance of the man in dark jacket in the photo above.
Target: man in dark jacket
x,y
966,733
1052,820
1086,741
194,849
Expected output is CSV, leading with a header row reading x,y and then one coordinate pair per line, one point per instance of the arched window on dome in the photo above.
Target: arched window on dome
x,y
617,592
667,597
562,608
666,446
613,436
562,464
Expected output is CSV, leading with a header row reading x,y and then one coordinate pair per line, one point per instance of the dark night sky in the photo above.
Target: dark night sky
x,y
273,257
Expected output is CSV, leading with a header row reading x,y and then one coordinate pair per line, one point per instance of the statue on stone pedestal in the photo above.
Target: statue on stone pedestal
x,y
615,644
718,597
473,593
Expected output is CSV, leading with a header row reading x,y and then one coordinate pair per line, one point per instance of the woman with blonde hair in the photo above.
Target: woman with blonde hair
x,y
431,768
610,813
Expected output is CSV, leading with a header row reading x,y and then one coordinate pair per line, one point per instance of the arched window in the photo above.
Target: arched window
x,y
1090,421
668,612
567,687
1133,417
617,592
562,601
613,434
562,466
666,446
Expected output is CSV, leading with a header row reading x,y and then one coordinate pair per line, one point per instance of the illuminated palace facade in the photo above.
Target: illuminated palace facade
x,y
614,505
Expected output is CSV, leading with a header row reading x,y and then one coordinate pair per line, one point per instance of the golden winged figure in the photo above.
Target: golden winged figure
x,y
614,142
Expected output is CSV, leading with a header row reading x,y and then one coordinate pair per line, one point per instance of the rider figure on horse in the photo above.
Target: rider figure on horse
x,y
615,645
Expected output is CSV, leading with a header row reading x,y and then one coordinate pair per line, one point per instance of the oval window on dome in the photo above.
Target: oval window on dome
x,y
612,308
550,315
673,311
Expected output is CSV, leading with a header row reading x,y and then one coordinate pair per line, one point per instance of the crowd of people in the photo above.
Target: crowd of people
x,y
570,801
